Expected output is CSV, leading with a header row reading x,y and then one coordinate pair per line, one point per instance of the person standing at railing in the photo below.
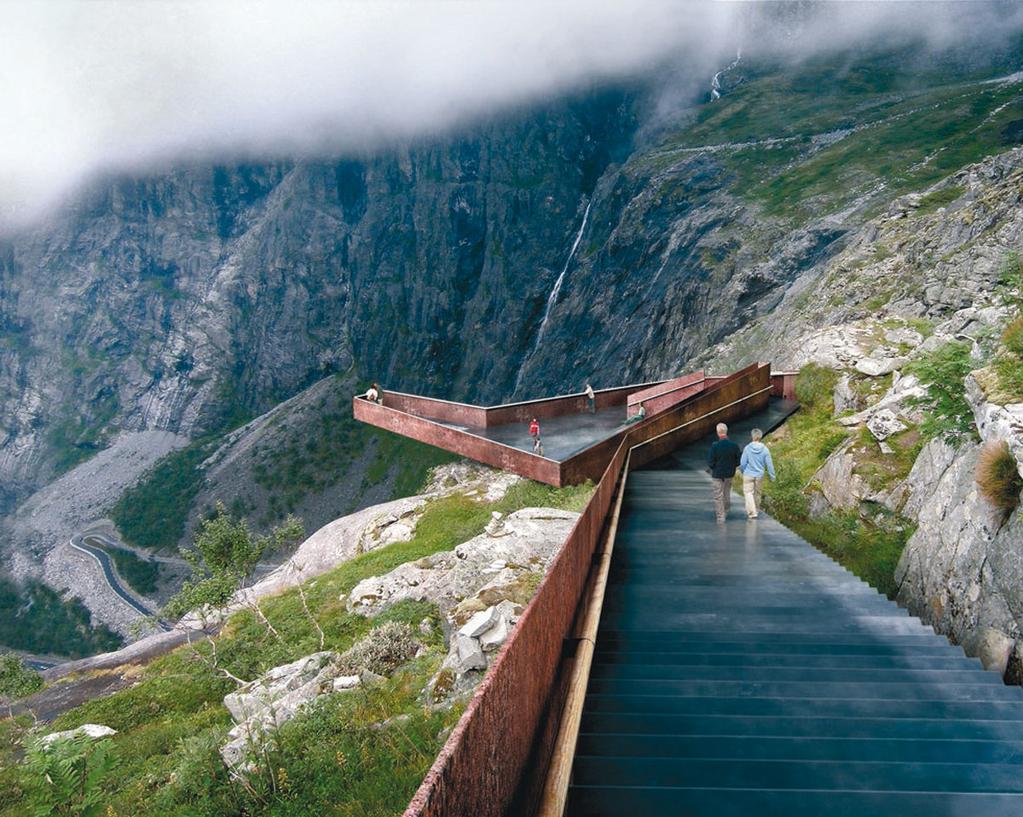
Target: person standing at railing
x,y
591,398
722,459
373,394
756,459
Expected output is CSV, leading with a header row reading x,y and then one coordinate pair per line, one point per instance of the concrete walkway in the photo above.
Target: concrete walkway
x,y
739,671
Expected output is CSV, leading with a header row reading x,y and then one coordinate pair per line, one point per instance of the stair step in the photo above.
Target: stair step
x,y
921,690
673,704
607,801
733,773
611,656
641,671
799,726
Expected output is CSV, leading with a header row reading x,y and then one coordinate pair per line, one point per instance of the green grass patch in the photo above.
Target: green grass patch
x,y
153,513
933,202
36,619
870,548
947,414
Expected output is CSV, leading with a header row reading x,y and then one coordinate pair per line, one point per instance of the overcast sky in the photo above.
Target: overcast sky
x,y
112,85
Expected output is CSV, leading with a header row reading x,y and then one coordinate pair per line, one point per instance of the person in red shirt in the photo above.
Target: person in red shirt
x,y
534,432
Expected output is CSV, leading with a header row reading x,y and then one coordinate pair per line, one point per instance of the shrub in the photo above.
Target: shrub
x,y
998,475
68,774
1012,337
815,386
382,651
943,373
16,679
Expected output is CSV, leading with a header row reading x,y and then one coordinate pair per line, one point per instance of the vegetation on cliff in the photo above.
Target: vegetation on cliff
x,y
360,754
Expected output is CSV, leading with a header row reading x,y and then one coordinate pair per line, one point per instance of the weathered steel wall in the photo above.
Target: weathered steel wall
x,y
735,397
461,414
460,442
664,395
784,384
479,768
558,406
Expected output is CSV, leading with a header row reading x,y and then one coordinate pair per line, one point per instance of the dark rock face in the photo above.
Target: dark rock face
x,y
185,300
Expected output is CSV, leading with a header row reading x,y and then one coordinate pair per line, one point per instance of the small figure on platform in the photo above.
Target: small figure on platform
x,y
534,432
755,461
374,395
722,459
639,415
591,398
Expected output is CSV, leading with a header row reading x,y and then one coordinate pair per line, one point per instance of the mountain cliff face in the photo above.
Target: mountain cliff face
x,y
188,300
583,240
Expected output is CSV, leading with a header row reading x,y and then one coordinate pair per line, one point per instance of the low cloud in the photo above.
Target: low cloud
x,y
99,86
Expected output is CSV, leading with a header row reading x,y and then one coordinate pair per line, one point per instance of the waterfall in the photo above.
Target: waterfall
x,y
715,83
552,299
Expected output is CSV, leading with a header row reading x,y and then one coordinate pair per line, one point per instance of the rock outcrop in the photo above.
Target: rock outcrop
x,y
962,571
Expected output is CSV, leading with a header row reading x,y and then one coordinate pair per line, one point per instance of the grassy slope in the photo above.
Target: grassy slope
x,y
868,547
172,722
903,132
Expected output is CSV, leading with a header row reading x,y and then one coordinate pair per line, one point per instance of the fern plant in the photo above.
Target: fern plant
x,y
68,775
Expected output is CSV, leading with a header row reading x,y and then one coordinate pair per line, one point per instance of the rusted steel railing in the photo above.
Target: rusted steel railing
x,y
459,441
511,720
667,394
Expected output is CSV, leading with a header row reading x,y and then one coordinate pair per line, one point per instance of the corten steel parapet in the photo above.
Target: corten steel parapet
x,y
784,384
666,394
458,441
509,721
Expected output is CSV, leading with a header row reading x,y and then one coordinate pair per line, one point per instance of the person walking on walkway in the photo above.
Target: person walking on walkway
x,y
755,461
591,398
722,459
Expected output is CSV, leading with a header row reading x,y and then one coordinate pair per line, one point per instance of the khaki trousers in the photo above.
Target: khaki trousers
x,y
722,497
751,490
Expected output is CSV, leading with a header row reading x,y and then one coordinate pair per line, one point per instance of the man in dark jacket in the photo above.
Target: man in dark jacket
x,y
723,459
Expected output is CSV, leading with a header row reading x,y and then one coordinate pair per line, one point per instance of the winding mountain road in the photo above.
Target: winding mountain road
x,y
80,543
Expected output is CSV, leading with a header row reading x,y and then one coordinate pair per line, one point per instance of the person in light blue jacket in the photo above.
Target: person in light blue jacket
x,y
754,463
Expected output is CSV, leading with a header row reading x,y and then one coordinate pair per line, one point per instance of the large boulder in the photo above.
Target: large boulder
x,y
523,542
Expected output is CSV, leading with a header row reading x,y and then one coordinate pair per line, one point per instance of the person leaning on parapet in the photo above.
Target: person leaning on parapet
x,y
373,394
591,398
639,415
756,459
722,459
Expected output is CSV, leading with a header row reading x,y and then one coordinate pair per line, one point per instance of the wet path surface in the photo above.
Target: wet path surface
x,y
739,671
562,436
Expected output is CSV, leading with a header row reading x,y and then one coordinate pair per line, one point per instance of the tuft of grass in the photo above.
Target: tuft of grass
x,y
938,199
998,475
815,386
943,372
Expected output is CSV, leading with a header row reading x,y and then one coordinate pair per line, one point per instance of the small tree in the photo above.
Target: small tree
x,y
943,372
225,555
16,679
